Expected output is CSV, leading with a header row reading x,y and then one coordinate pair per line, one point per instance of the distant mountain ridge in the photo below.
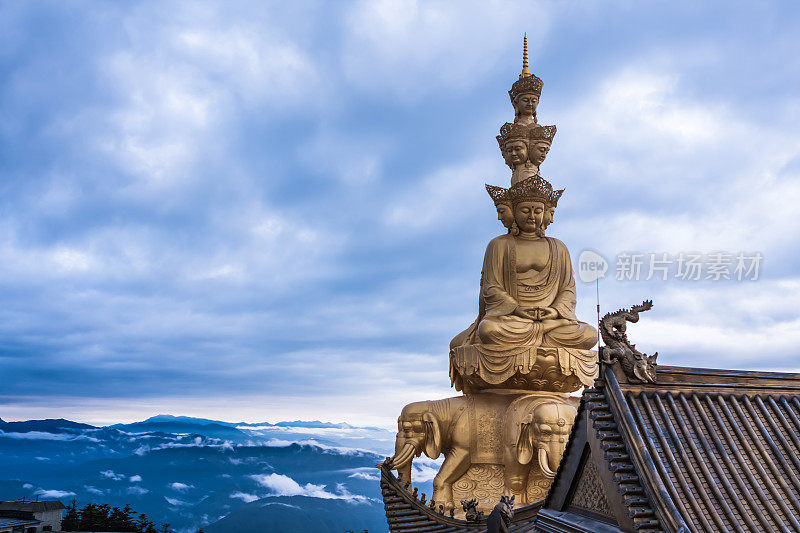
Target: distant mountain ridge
x,y
48,424
52,424
294,423
198,472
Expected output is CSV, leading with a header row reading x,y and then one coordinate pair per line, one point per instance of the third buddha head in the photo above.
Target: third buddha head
x,y
502,203
540,140
525,92
513,141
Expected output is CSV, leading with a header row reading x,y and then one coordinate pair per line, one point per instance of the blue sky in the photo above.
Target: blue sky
x,y
260,211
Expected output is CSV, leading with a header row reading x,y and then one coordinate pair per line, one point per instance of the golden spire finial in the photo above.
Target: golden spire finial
x,y
525,71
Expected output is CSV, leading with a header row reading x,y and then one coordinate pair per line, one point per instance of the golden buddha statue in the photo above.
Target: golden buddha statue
x,y
525,352
527,285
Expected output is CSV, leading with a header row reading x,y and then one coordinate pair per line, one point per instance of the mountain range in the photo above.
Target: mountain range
x,y
301,476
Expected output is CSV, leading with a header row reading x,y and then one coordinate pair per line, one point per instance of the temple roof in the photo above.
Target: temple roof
x,y
33,507
699,450
17,522
407,514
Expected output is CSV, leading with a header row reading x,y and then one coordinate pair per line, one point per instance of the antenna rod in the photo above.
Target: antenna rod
x,y
597,289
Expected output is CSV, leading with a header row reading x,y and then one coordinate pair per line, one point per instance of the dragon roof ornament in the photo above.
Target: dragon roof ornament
x,y
637,366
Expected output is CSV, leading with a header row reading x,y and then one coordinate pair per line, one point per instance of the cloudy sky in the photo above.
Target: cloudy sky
x,y
261,211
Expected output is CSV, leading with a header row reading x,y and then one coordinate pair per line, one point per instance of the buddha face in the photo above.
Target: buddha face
x,y
529,216
516,153
539,151
525,105
549,213
505,214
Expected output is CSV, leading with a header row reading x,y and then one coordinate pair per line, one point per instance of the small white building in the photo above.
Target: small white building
x,y
25,516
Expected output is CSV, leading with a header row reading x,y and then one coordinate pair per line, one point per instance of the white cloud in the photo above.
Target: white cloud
x,y
342,450
135,478
176,502
42,493
280,504
245,497
446,197
141,450
425,469
410,48
110,474
93,490
281,485
43,435
180,487
137,490
365,475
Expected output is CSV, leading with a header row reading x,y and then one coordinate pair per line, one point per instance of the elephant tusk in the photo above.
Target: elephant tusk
x,y
405,455
544,465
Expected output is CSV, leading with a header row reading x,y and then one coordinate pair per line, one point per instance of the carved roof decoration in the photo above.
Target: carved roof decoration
x,y
701,450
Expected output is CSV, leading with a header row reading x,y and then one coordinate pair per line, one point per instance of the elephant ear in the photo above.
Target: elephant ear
x,y
433,435
525,441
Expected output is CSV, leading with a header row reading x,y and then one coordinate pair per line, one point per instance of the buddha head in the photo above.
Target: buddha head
x,y
502,203
513,141
505,214
515,153
550,209
534,202
541,138
549,215
525,92
529,215
525,108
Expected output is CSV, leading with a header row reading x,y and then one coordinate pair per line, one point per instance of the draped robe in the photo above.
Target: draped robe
x,y
503,289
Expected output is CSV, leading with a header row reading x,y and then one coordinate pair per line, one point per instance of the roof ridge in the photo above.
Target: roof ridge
x,y
619,461
611,406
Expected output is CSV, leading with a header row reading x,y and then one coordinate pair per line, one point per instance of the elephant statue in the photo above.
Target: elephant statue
x,y
535,426
530,424
432,427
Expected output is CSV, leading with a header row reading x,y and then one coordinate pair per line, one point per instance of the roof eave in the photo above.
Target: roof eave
x,y
662,502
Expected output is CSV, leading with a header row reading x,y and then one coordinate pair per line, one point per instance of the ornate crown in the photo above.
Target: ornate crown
x,y
499,195
512,132
527,82
556,195
535,188
543,133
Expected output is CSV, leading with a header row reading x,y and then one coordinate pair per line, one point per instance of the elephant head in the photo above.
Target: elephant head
x,y
418,430
545,429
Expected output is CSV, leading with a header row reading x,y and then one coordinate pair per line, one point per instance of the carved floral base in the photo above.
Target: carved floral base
x,y
484,482
478,367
